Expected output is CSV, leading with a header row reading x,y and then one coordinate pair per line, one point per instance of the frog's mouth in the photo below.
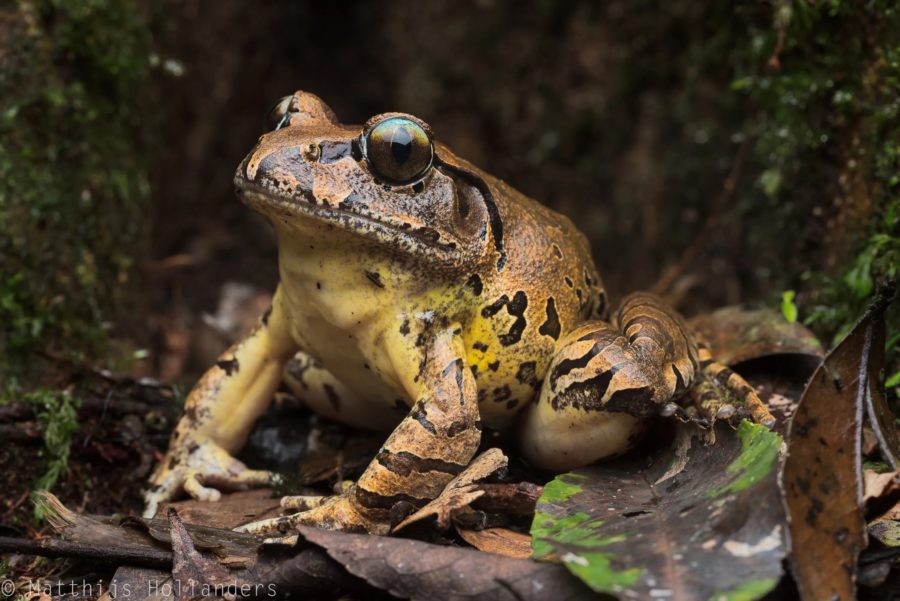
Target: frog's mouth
x,y
402,237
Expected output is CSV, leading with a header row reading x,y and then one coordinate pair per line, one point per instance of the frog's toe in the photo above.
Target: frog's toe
x,y
303,502
721,394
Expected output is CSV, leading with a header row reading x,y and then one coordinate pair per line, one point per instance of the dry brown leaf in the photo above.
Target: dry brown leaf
x,y
822,477
460,492
877,485
500,541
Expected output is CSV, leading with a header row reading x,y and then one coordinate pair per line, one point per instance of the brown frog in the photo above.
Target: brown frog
x,y
420,294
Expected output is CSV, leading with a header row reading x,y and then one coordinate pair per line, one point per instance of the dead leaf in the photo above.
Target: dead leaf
x,y
231,511
881,418
735,335
460,492
416,570
707,526
501,541
194,575
877,485
822,478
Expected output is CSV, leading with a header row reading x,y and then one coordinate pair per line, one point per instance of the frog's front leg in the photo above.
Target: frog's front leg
x,y
606,379
434,443
218,415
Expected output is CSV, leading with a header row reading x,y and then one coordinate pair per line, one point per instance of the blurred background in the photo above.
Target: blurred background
x,y
715,152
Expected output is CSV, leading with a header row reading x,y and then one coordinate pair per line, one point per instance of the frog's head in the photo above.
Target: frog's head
x,y
387,181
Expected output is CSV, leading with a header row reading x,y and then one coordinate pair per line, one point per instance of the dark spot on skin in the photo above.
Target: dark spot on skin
x,y
633,401
404,327
418,187
580,295
475,284
457,427
474,369
265,316
192,448
172,462
494,308
420,339
482,395
494,366
444,321
585,394
429,234
557,251
565,366
502,393
375,278
587,279
457,331
512,404
418,414
569,282
405,463
527,374
333,399
386,187
480,346
318,285
229,365
516,307
551,327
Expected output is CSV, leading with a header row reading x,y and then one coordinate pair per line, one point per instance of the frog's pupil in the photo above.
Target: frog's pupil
x,y
401,145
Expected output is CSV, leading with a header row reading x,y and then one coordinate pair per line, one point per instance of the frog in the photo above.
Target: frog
x,y
421,296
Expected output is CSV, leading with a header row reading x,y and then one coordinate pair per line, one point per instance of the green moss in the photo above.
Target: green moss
x,y
73,184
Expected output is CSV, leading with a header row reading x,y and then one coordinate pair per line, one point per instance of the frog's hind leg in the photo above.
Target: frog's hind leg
x,y
604,380
723,394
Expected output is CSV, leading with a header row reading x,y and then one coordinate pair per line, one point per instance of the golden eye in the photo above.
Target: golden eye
x,y
277,116
399,150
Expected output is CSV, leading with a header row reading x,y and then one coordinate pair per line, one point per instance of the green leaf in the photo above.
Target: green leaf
x,y
788,308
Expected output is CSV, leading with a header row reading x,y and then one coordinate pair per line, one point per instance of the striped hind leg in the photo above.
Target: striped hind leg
x,y
605,380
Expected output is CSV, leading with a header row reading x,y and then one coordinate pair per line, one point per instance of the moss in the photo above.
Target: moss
x,y
73,184
823,81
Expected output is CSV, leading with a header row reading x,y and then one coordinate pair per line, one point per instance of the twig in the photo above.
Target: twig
x,y
48,547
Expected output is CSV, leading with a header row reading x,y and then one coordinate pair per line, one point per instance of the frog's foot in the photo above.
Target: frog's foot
x,y
330,513
202,470
719,393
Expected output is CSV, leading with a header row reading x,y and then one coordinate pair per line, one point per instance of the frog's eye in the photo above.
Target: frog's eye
x,y
277,116
399,150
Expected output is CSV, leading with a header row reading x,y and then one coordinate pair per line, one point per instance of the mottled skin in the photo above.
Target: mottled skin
x,y
434,306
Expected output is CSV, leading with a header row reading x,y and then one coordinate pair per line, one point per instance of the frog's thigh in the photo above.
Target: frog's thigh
x,y
594,400
327,396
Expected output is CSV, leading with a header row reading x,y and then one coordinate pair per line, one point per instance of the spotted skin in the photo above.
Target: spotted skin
x,y
430,308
